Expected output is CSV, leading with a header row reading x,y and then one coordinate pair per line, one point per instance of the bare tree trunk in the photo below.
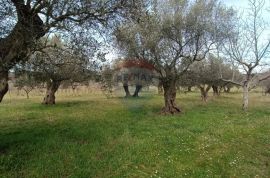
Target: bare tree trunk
x,y
137,90
245,95
126,90
267,91
220,89
3,84
189,88
52,87
170,97
27,94
204,92
73,89
215,90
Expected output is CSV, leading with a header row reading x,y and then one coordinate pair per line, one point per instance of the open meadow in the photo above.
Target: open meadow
x,y
88,135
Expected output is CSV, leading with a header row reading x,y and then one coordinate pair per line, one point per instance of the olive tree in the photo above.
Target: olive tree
x,y
26,81
210,73
173,35
23,22
57,63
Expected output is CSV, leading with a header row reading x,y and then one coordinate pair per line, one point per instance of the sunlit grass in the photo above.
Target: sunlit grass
x,y
88,135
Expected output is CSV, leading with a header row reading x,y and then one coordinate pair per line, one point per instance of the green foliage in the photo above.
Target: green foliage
x,y
174,34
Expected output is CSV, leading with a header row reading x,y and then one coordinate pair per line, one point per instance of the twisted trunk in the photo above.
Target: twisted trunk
x,y
17,45
220,89
215,90
137,90
3,84
170,107
52,87
204,92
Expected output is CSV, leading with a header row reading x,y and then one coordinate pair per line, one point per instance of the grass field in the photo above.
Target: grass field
x,y
91,136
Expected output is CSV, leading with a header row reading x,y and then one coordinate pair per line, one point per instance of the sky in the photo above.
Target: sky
x,y
243,5
239,3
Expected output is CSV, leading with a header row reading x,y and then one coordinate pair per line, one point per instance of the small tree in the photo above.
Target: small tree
x,y
55,64
211,73
26,81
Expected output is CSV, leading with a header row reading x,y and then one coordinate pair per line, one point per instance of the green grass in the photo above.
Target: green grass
x,y
91,136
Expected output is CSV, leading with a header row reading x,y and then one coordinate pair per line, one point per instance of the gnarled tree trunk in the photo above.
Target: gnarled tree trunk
x,y
3,84
204,92
17,45
137,90
169,87
216,91
267,91
220,89
52,87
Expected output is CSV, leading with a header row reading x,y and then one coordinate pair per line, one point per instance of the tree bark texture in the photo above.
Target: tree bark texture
x,y
267,91
216,91
17,45
52,87
3,84
204,92
170,107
